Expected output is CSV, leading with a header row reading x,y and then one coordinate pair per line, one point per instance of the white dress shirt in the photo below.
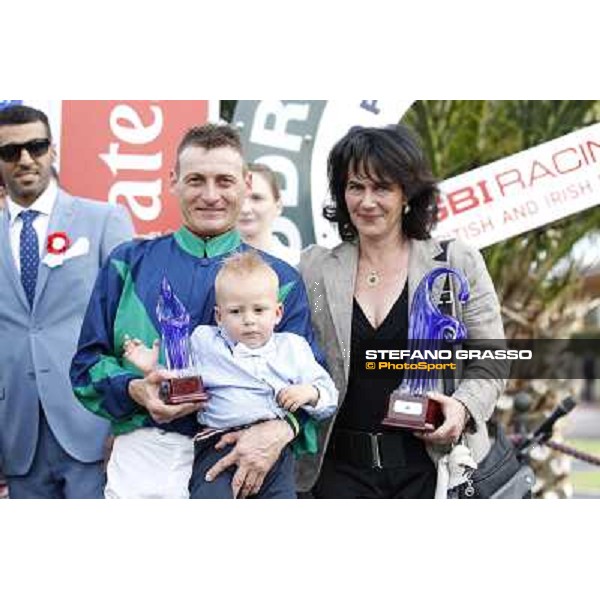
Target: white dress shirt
x,y
44,205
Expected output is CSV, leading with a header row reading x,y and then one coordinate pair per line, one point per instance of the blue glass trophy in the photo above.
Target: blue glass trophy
x,y
186,385
429,331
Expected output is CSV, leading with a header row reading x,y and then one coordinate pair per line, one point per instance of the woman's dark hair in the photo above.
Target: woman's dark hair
x,y
389,154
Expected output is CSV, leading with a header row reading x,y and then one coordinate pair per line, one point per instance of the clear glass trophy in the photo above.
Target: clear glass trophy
x,y
186,384
429,329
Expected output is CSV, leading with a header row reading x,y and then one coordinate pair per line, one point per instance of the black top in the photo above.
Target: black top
x,y
366,402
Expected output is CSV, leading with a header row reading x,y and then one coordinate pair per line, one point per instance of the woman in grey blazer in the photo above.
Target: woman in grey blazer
x,y
384,203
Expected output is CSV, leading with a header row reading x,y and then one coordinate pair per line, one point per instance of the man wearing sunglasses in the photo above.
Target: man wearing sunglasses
x,y
52,246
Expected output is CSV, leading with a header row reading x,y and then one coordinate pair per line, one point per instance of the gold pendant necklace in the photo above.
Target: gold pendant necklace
x,y
373,279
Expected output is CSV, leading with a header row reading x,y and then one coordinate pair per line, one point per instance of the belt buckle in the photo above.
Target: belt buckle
x,y
375,451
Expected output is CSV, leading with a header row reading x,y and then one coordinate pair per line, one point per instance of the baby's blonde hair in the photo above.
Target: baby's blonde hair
x,y
242,265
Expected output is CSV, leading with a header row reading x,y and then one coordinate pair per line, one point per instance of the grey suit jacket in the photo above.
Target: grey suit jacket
x,y
330,276
36,346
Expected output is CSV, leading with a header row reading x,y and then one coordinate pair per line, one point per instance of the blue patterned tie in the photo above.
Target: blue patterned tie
x,y
30,254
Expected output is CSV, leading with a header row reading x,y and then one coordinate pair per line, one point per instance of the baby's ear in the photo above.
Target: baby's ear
x,y
217,315
279,313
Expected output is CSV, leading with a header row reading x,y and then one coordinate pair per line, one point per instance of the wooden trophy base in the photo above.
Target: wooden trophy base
x,y
183,390
418,413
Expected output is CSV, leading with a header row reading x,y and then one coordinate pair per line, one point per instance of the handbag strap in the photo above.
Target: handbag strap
x,y
445,306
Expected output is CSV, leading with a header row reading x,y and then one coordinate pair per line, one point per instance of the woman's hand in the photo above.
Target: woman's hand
x,y
456,417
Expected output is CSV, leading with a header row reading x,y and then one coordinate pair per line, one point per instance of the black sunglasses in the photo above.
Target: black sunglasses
x,y
35,149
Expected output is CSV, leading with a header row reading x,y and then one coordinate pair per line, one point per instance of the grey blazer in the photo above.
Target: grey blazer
x,y
330,277
36,346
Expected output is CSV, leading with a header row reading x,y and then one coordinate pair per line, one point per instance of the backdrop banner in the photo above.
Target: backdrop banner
x,y
122,151
523,191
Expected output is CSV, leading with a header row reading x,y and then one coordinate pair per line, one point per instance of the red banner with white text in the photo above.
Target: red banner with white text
x,y
123,151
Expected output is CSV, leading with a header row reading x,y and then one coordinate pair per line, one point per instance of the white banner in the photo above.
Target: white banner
x,y
523,191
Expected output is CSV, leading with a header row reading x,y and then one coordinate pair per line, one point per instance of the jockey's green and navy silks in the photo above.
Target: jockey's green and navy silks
x,y
124,303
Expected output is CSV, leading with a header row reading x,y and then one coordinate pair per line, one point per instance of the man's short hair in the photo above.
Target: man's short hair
x,y
19,114
210,136
244,264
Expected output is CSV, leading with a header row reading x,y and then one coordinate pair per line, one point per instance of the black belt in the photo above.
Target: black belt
x,y
368,450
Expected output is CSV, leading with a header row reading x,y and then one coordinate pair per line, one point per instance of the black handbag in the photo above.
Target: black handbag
x,y
499,474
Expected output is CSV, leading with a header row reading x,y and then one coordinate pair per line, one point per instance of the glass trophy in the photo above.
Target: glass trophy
x,y
186,384
429,329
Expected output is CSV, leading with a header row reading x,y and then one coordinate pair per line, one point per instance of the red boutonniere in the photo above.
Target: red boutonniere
x,y
58,243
